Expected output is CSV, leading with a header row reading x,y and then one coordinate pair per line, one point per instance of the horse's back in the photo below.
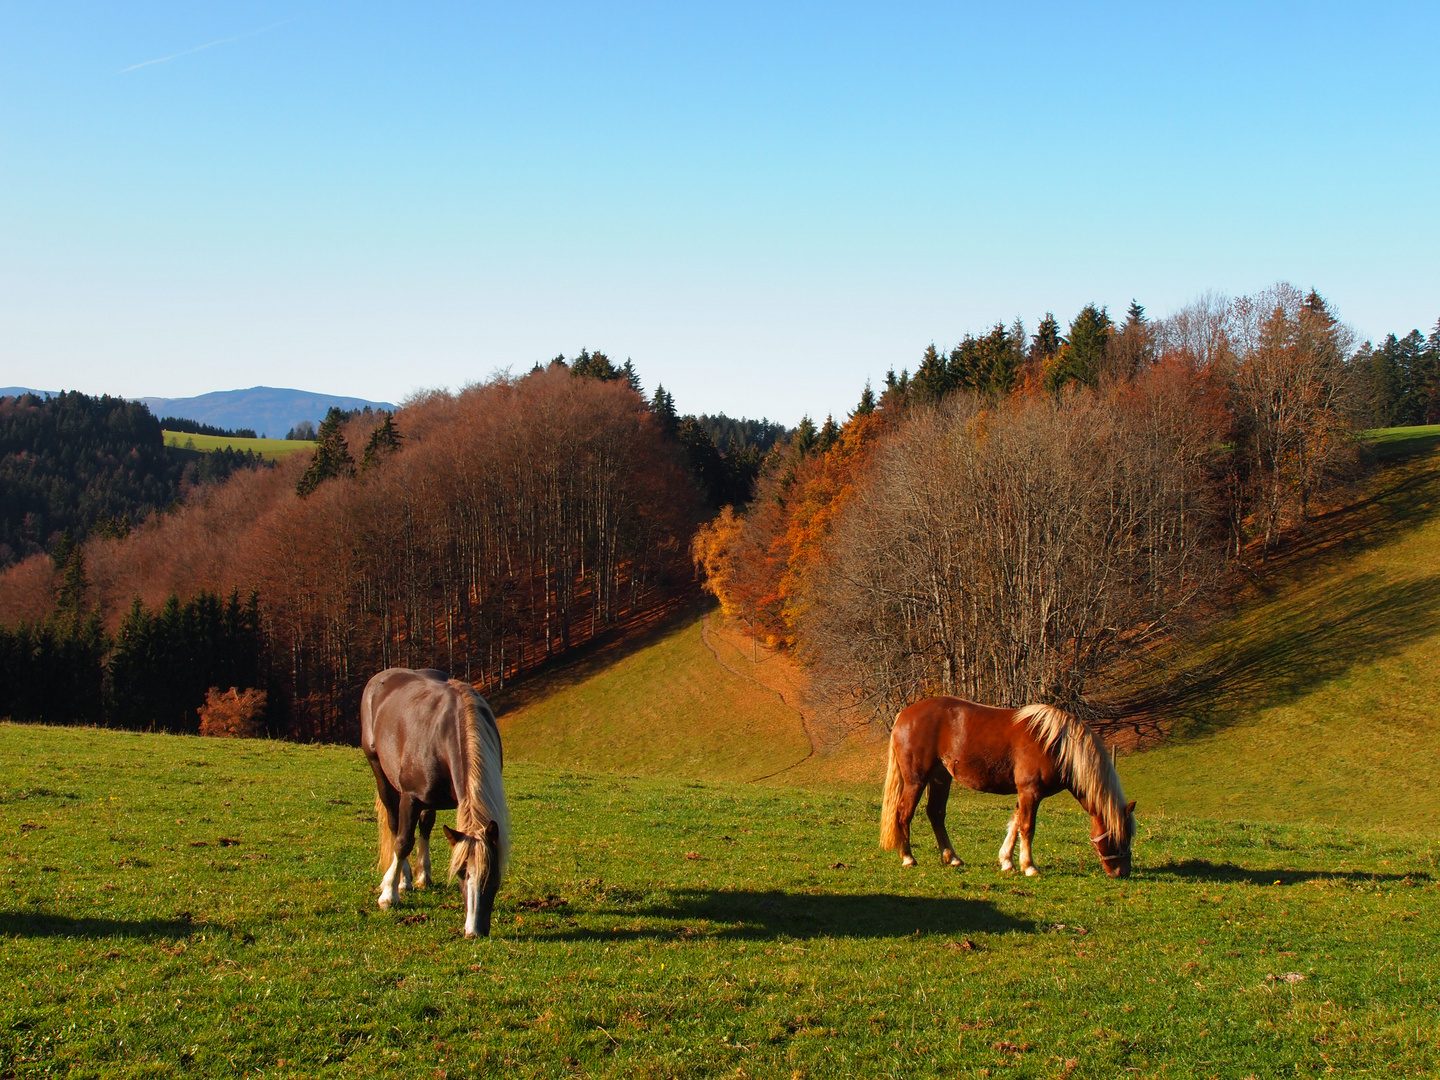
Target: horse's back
x,y
975,743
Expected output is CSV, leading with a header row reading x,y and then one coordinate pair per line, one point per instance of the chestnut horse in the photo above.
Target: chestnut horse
x,y
1033,752
433,745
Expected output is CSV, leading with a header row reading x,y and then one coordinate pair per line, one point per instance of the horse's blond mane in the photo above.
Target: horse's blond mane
x,y
1084,765
483,799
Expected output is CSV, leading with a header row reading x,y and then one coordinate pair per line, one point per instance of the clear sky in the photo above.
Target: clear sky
x,y
761,205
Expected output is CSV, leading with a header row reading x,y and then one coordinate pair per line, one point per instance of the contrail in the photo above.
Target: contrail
x,y
207,45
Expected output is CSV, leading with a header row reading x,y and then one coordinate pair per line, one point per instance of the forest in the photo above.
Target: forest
x,y
1026,515
1021,518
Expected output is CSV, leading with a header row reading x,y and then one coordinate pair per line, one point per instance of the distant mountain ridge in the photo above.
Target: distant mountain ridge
x,y
270,410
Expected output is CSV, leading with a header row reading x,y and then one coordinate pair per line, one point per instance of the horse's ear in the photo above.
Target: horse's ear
x,y
1130,809
492,832
453,836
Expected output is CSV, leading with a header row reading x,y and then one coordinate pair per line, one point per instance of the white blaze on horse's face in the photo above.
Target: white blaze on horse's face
x,y
479,877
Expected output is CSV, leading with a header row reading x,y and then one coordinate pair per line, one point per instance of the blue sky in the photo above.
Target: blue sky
x,y
761,205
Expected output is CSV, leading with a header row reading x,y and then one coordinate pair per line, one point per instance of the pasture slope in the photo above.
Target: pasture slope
x,y
695,905
269,448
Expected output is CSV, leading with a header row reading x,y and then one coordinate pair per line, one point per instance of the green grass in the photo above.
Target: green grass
x,y
1319,700
181,906
1398,442
271,448
664,706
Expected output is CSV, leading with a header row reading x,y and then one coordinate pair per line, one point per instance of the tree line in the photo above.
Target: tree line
x,y
1024,515
484,532
72,465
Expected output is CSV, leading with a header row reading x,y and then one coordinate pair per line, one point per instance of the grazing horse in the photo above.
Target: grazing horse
x,y
1033,752
433,745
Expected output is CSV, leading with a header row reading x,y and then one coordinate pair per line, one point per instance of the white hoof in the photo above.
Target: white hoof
x,y
907,861
1006,866
423,882
1030,871
385,903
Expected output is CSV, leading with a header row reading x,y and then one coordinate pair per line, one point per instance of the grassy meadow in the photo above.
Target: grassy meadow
x,y
696,892
181,906
270,448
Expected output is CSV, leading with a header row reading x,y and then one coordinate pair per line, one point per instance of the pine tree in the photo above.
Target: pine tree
x,y
934,378
829,434
595,365
332,455
632,377
662,406
805,436
1083,356
867,400
383,442
1045,345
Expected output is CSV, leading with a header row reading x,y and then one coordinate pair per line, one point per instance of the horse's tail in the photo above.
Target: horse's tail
x,y
387,838
889,817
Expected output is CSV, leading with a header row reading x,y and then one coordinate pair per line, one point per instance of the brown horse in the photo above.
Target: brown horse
x,y
433,745
1033,752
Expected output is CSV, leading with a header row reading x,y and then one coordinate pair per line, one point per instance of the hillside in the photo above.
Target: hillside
x,y
269,448
1318,698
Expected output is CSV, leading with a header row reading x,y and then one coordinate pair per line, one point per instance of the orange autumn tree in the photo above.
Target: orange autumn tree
x,y
757,564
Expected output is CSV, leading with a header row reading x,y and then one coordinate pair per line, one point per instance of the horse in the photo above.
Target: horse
x,y
433,745
1032,752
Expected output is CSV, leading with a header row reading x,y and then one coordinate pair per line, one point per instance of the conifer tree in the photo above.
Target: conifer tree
x,y
1083,356
805,436
332,455
383,442
829,434
662,405
934,378
1045,345
632,377
867,401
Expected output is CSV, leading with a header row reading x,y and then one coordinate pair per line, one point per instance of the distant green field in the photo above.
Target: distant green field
x,y
176,906
271,448
1401,441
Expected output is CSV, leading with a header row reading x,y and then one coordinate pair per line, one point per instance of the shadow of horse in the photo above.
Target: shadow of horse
x,y
747,915
44,925
1229,873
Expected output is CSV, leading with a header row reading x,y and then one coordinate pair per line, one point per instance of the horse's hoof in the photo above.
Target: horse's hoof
x,y
1030,871
1006,867
422,883
907,861
385,903
955,860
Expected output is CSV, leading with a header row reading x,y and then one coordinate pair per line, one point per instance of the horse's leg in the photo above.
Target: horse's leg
x,y
935,811
904,812
397,877
1025,818
422,850
1009,845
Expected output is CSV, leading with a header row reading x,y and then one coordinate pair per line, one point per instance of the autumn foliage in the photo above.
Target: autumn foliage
x,y
495,529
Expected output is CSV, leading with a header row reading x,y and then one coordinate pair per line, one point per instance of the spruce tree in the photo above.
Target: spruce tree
x,y
383,442
829,434
867,401
1083,356
805,436
662,405
332,455
1045,345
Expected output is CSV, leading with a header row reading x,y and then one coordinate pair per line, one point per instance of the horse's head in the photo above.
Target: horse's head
x,y
475,860
1113,845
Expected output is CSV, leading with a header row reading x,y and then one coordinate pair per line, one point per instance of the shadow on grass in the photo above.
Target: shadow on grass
x,y
1359,620
1229,873
744,915
39,925
1303,641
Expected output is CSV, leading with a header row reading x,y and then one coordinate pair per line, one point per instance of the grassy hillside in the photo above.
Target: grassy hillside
x,y
1321,700
664,707
180,906
270,448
